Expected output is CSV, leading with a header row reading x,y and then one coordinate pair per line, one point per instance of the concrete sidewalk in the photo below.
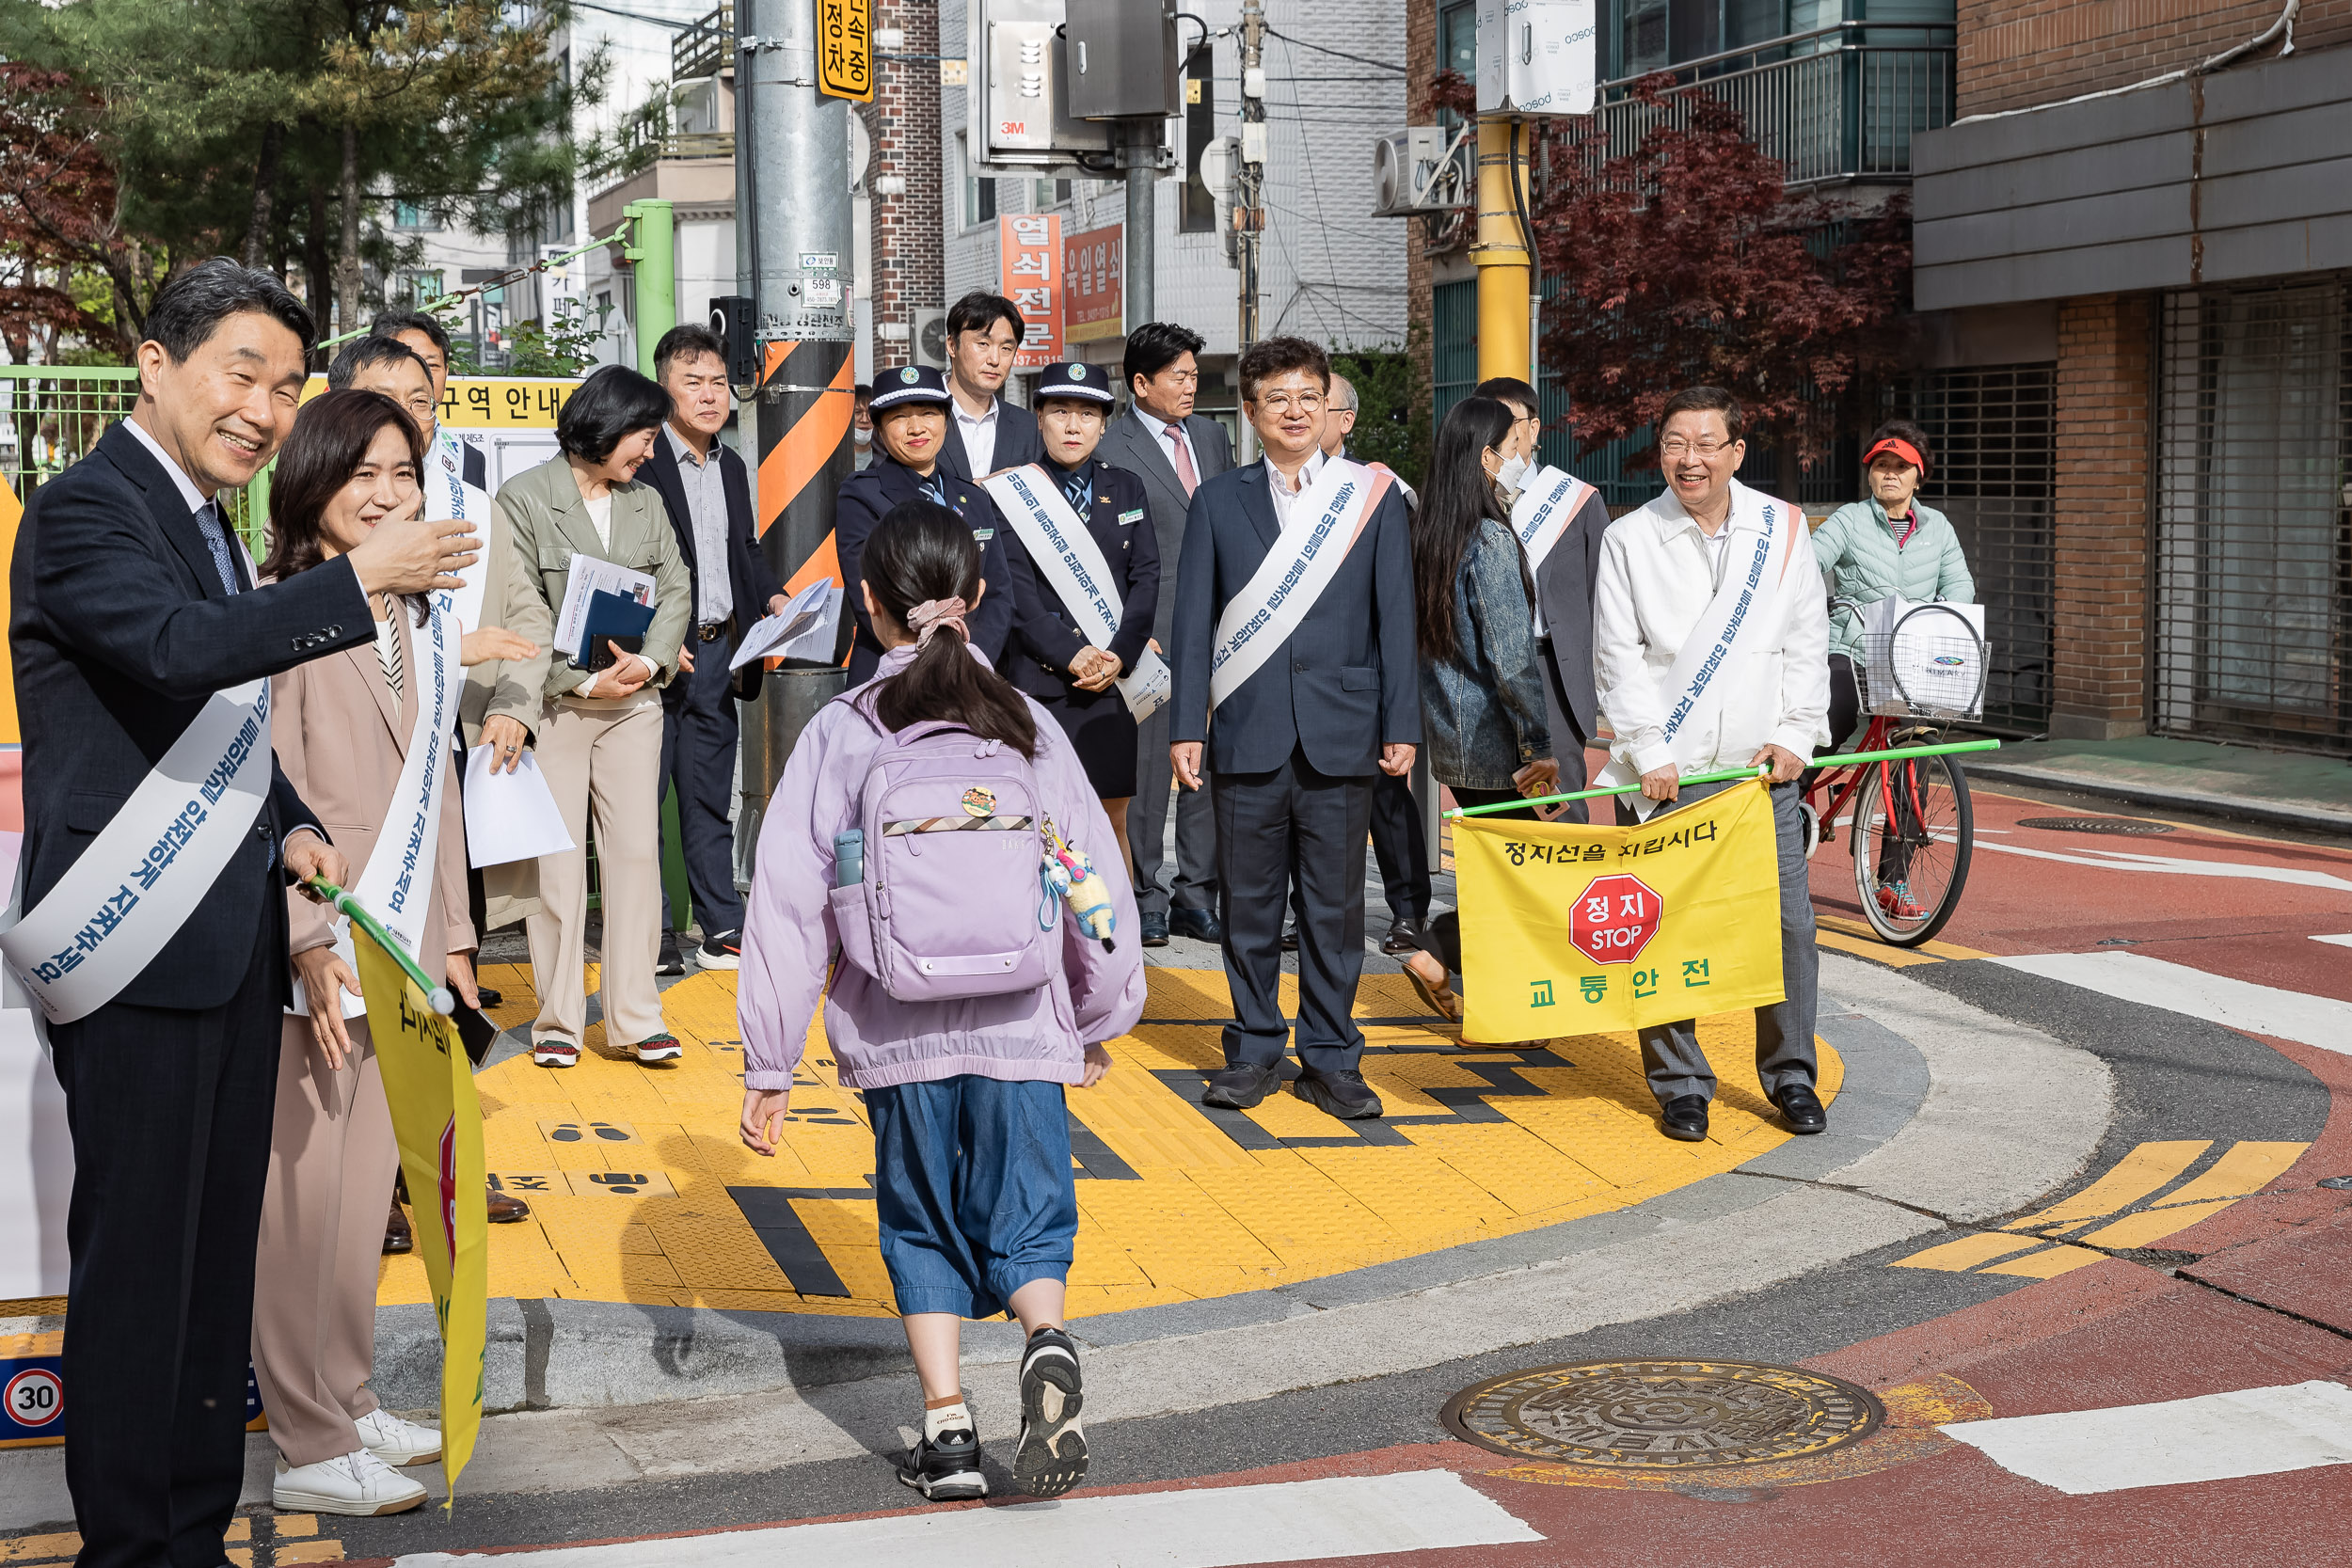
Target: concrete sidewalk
x,y
2288,788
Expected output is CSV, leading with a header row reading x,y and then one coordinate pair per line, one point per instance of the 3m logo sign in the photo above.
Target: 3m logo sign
x,y
1615,918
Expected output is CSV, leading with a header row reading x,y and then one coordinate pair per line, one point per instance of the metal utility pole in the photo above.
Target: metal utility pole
x,y
1505,307
793,227
1249,180
1139,154
652,250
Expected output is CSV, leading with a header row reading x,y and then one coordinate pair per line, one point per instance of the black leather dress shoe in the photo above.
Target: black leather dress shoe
x,y
1802,1109
1199,925
1404,937
1237,1088
1684,1117
1343,1094
1155,930
491,996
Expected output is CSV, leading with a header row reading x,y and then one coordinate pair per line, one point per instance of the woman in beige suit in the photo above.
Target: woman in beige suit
x,y
343,727
597,735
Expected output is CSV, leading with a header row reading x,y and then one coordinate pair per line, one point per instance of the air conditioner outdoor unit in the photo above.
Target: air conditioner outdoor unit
x,y
1419,169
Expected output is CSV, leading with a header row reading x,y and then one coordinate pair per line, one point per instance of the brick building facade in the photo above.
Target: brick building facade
x,y
2020,54
903,122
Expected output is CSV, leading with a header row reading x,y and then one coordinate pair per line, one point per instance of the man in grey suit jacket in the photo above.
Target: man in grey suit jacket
x,y
1162,377
1563,596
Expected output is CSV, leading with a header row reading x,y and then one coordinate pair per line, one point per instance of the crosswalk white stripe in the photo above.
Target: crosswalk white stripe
x,y
2253,1432
1224,1527
2126,859
2293,1015
2343,941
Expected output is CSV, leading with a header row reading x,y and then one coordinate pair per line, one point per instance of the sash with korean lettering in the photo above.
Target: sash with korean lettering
x,y
397,885
1324,526
1746,604
127,894
455,497
1544,511
1067,557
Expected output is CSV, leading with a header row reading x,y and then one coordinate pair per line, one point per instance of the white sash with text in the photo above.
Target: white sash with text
x,y
1544,511
1067,557
1324,526
131,891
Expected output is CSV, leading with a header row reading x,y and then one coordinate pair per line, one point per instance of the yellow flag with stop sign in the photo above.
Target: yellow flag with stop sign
x,y
1574,930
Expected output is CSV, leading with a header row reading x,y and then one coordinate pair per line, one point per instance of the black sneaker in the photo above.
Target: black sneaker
x,y
946,1469
722,951
669,962
1343,1094
1052,1457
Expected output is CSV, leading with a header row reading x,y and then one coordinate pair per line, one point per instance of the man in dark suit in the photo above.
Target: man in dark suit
x,y
1564,599
133,606
985,434
911,426
1327,697
706,490
1174,451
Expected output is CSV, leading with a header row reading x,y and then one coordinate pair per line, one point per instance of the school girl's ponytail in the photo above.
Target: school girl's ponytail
x,y
925,571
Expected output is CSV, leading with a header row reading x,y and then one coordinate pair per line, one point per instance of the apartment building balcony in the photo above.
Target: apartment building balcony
x,y
1836,104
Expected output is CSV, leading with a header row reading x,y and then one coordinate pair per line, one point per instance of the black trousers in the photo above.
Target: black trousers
x,y
1294,822
699,731
1398,847
170,1118
1191,882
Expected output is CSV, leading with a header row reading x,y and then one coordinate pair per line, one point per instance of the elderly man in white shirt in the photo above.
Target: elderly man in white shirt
x,y
1711,638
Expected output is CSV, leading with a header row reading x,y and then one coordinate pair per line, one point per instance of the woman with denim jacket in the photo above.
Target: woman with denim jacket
x,y
1482,688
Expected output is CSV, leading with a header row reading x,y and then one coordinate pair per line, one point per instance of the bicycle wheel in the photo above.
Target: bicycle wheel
x,y
1911,852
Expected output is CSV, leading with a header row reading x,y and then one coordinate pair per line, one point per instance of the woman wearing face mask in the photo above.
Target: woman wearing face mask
x,y
1482,696
346,728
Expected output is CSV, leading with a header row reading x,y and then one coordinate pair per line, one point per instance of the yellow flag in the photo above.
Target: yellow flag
x,y
1572,930
438,1121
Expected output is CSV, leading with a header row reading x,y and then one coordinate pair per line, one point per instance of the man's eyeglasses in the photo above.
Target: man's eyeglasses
x,y
1678,447
1282,402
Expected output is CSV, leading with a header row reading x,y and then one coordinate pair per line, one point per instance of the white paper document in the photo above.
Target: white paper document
x,y
510,817
591,576
804,631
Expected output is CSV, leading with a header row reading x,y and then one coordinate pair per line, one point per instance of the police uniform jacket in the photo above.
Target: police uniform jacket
x,y
867,497
1045,636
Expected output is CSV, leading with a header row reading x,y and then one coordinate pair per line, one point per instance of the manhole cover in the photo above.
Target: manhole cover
x,y
1663,1414
2094,824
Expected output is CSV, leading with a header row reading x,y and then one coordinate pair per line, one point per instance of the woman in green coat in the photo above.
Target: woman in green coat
x,y
1888,547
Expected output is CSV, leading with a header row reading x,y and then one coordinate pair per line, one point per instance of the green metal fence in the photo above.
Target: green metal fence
x,y
52,416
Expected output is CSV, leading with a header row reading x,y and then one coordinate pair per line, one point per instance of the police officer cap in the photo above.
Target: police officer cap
x,y
1068,380
908,383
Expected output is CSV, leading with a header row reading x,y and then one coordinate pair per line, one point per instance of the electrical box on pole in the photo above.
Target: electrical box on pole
x,y
1123,59
1536,56
1019,95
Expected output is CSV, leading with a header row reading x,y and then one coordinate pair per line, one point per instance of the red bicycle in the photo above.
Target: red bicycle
x,y
1909,823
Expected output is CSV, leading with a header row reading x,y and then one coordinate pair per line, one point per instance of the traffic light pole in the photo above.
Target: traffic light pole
x,y
793,251
1501,254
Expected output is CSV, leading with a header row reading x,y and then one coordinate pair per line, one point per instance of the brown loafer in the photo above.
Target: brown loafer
x,y
397,1236
506,1210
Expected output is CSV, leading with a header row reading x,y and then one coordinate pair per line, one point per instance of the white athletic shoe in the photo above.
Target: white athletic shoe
x,y
357,1484
397,1442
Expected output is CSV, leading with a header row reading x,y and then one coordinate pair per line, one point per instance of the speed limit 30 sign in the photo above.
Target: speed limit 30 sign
x,y
34,1399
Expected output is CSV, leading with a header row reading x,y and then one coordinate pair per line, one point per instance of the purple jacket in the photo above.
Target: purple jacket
x,y
789,939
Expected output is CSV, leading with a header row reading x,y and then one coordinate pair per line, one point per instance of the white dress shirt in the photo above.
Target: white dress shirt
x,y
1658,573
1155,431
1283,496
978,433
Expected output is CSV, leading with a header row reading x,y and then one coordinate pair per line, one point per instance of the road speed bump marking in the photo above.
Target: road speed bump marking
x,y
2068,1234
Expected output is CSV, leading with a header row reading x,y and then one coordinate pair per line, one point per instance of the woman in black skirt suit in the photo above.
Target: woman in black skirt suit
x,y
1048,656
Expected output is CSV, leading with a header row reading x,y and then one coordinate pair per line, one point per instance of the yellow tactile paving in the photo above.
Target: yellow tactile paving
x,y
628,1169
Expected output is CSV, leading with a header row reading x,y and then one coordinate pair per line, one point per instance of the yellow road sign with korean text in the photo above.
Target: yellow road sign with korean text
x,y
845,48
1575,930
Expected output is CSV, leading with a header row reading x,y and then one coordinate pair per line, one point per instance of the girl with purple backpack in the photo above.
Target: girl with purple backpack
x,y
906,856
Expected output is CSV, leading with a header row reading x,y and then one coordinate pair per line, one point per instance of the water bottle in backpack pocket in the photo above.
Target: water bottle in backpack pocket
x,y
947,903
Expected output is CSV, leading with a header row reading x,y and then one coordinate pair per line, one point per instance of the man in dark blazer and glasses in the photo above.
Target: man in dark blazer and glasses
x,y
706,488
1295,624
136,625
1174,452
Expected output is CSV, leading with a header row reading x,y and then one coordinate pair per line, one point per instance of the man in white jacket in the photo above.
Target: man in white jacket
x,y
1710,634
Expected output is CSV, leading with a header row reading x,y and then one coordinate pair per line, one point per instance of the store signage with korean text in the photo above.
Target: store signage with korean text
x,y
1031,244
1091,270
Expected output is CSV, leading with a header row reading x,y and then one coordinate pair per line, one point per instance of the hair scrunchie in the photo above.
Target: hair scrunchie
x,y
932,614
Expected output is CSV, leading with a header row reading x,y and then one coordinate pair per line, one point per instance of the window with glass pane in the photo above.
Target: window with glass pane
x,y
1641,35
1195,208
1458,48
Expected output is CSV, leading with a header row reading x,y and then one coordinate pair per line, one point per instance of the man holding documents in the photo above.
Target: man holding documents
x,y
159,839
706,491
1709,639
599,585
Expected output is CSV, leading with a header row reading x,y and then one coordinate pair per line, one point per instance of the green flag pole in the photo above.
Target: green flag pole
x,y
443,1001
1835,760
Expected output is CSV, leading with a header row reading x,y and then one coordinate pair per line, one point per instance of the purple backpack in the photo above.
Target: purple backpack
x,y
948,906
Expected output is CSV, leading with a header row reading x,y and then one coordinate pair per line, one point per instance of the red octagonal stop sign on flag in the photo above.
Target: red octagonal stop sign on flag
x,y
1614,919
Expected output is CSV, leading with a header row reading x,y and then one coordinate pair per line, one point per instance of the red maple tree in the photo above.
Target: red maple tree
x,y
58,211
1685,262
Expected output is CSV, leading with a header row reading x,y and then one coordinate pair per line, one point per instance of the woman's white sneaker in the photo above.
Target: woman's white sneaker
x,y
357,1484
397,1442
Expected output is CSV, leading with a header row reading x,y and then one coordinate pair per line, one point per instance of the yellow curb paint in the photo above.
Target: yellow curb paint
x,y
626,1167
2049,1263
1966,1253
2137,1175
